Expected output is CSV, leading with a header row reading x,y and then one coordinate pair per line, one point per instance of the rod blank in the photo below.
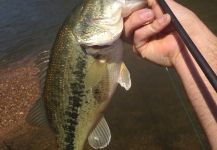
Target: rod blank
x,y
201,61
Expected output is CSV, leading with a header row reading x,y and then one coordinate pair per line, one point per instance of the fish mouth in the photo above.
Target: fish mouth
x,y
130,6
99,47
105,53
95,50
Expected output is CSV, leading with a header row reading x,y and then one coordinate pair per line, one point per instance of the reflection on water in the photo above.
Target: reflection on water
x,y
149,116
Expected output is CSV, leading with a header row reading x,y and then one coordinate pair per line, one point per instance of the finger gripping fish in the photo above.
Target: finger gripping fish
x,y
84,67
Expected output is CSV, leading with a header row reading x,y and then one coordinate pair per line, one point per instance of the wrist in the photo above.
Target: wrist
x,y
203,38
185,64
208,49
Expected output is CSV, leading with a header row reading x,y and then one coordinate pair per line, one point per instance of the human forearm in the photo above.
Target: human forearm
x,y
201,94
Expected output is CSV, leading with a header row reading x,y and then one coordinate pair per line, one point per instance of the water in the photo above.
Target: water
x,y
150,116
30,26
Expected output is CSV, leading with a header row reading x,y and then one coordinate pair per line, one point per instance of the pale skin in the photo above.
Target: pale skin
x,y
154,38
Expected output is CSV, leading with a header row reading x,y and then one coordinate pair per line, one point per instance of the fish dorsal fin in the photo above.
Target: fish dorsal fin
x,y
100,136
37,115
41,63
124,77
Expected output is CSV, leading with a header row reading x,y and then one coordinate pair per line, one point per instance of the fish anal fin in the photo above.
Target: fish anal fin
x,y
37,115
100,137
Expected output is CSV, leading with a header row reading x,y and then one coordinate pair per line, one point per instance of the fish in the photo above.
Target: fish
x,y
79,75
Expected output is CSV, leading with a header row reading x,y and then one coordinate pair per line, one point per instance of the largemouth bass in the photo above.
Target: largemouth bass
x,y
84,68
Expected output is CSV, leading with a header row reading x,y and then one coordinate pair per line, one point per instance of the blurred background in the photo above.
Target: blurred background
x,y
155,114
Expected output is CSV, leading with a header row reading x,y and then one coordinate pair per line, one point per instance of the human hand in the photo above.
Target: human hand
x,y
151,36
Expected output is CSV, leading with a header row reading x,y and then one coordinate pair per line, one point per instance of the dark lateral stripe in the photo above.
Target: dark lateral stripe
x,y
77,92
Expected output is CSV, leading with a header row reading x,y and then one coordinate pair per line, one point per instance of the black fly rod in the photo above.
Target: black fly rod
x,y
201,61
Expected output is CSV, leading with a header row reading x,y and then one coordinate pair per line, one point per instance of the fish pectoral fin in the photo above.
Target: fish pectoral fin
x,y
100,136
124,77
37,115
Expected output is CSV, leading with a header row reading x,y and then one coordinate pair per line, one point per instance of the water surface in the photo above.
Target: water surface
x,y
150,116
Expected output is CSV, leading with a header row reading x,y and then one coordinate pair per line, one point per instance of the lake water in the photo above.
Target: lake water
x,y
152,115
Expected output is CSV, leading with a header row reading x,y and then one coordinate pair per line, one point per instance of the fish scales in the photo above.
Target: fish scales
x,y
60,95
66,95
78,93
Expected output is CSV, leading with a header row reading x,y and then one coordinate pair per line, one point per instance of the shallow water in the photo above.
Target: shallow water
x,y
149,116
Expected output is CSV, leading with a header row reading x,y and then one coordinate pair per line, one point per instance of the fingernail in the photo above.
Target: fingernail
x,y
163,19
146,14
